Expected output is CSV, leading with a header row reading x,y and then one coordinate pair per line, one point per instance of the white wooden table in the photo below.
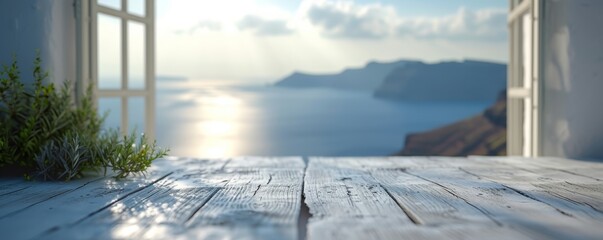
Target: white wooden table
x,y
327,198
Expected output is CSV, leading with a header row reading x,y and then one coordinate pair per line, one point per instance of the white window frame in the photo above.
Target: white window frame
x,y
523,120
87,53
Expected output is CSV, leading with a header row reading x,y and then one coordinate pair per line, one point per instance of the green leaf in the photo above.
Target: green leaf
x,y
44,133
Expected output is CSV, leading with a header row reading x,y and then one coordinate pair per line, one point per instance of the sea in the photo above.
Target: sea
x,y
202,118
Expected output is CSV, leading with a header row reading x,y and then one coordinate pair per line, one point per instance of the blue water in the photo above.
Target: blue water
x,y
218,120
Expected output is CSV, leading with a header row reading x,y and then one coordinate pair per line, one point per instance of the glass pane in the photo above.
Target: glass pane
x,y
516,79
527,126
115,4
526,56
516,115
136,7
112,107
136,55
136,114
109,52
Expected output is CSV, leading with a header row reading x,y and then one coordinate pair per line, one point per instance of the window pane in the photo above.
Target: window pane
x,y
136,7
516,120
115,4
112,107
526,55
136,114
109,52
136,56
516,79
527,126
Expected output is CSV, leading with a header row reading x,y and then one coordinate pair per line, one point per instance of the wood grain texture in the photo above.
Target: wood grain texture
x,y
579,196
24,195
267,162
510,207
345,198
340,196
203,199
375,229
261,203
70,208
428,203
433,210
575,167
162,203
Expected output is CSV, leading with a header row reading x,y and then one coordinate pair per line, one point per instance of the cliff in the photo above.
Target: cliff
x,y
484,134
445,81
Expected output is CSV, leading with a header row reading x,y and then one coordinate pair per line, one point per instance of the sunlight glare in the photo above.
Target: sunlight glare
x,y
220,127
217,128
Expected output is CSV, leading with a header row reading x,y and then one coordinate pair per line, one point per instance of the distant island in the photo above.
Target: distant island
x,y
468,80
368,78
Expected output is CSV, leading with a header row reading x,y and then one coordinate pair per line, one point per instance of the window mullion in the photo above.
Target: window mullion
x,y
150,69
124,69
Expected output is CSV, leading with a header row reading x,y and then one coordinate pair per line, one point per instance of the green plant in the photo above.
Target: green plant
x,y
131,154
45,133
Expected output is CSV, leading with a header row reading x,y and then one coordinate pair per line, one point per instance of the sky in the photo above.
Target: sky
x,y
265,40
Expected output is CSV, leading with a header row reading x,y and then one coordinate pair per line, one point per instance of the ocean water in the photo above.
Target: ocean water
x,y
216,119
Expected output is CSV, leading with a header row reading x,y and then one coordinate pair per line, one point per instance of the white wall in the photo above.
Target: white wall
x,y
573,79
45,25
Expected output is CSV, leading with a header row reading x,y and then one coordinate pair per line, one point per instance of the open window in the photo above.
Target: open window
x,y
523,87
116,54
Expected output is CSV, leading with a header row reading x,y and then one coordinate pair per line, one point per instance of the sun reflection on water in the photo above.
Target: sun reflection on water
x,y
219,127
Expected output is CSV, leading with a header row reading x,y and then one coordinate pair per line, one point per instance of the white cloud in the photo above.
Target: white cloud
x,y
264,27
344,19
207,25
338,19
349,20
488,24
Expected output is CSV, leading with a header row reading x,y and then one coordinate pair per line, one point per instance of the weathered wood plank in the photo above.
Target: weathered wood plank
x,y
169,200
428,203
261,203
510,207
354,163
163,203
193,203
563,182
581,197
435,212
340,196
391,162
348,193
376,229
74,206
27,194
266,162
348,198
10,185
593,170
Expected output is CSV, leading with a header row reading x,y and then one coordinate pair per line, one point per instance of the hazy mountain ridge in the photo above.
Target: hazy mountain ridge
x,y
367,78
463,81
469,80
